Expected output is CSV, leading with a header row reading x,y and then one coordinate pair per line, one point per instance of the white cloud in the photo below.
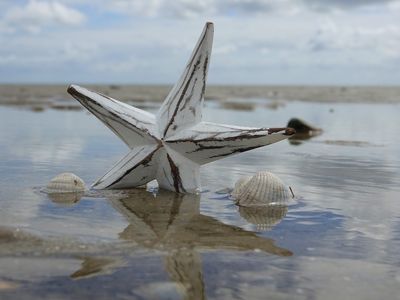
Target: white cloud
x,y
343,4
139,41
211,8
36,14
193,8
144,8
225,49
379,42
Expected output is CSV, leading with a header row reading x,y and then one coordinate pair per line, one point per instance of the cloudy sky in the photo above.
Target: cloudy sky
x,y
148,41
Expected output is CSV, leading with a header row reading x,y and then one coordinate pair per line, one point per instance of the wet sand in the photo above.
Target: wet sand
x,y
338,238
43,96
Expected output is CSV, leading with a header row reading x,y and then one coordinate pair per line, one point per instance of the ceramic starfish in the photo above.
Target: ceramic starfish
x,y
171,146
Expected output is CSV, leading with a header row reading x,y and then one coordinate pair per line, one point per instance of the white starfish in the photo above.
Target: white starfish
x,y
171,146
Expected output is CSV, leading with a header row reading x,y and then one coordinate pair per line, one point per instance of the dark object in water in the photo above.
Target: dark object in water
x,y
304,130
301,126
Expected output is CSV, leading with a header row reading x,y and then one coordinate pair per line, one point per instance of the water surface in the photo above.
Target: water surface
x,y
339,237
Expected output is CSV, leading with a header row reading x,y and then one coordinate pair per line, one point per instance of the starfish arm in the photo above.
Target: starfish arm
x,y
223,236
185,268
135,169
177,173
207,142
96,266
183,106
134,126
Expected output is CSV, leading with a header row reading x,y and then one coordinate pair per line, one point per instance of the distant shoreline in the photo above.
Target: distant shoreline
x,y
47,95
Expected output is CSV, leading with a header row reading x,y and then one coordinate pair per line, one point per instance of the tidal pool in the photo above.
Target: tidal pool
x,y
339,238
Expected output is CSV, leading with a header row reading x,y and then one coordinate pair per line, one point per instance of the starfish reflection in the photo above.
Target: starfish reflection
x,y
173,223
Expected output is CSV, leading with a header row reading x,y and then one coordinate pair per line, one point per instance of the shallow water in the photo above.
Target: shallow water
x,y
338,238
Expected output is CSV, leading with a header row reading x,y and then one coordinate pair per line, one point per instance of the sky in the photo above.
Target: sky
x,y
285,42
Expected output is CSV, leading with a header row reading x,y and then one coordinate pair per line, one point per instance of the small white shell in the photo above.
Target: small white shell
x,y
242,181
262,189
65,183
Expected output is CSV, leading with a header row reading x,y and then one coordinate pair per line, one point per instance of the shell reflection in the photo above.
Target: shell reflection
x,y
264,217
65,199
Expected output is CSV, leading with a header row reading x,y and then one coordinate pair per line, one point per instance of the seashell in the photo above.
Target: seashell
x,y
242,181
262,189
65,183
264,217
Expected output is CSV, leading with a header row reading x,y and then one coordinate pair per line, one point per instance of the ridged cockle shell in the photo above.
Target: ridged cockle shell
x,y
65,183
242,181
262,189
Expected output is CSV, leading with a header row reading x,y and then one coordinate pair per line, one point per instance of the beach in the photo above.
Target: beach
x,y
50,95
336,238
